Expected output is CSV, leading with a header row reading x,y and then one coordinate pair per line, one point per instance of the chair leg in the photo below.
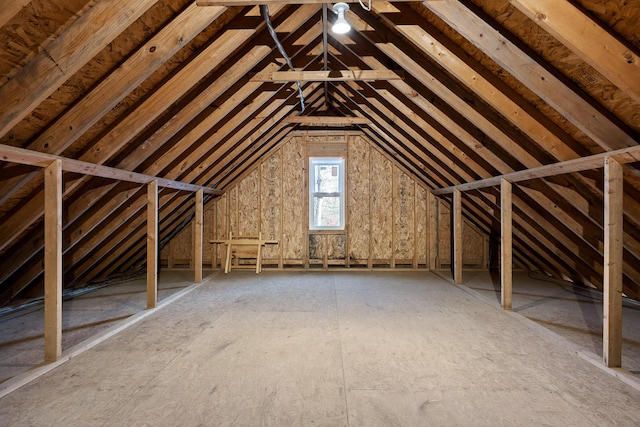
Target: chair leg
x,y
259,260
227,264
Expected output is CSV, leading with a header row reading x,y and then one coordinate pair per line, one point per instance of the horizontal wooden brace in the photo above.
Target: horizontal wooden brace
x,y
622,156
36,158
327,120
271,2
328,76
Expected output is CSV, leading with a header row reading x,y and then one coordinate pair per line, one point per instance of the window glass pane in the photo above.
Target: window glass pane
x,y
326,211
327,178
326,201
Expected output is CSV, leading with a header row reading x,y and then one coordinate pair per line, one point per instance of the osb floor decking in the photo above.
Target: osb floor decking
x,y
330,348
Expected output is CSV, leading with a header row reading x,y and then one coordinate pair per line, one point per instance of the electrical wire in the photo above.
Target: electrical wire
x,y
7,312
274,36
580,290
368,9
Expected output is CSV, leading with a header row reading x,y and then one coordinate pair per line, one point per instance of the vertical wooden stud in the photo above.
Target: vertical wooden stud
x,y
612,280
506,238
306,188
192,256
456,212
433,230
485,252
414,262
325,252
227,228
152,244
394,225
281,245
370,183
214,251
345,200
53,261
197,235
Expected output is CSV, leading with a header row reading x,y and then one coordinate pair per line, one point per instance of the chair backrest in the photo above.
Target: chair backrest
x,y
245,251
258,237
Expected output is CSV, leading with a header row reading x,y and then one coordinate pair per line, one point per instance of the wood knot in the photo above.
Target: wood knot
x,y
628,56
152,49
541,16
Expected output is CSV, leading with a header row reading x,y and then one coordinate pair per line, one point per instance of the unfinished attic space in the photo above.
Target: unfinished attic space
x,y
363,213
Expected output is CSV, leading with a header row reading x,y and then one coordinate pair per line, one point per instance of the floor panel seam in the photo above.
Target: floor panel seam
x,y
344,378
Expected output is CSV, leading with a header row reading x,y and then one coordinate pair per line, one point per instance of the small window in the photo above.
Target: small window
x,y
326,193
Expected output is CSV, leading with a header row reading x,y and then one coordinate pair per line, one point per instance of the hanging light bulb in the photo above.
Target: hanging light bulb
x,y
341,25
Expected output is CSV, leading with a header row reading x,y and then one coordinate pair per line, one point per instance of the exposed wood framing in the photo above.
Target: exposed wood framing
x,y
465,96
319,120
622,156
456,224
328,76
34,158
153,240
588,40
53,262
44,74
546,85
432,204
198,236
506,238
104,97
612,313
11,8
268,2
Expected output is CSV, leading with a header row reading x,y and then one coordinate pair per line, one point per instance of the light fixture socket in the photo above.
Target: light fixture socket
x,y
341,25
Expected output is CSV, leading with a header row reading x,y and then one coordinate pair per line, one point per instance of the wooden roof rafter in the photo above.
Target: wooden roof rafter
x,y
517,62
77,120
261,140
595,45
183,80
114,201
398,143
168,202
526,127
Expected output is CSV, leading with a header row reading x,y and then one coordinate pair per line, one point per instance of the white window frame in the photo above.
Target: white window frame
x,y
329,161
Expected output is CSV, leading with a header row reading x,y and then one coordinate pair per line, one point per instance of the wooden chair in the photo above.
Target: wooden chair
x,y
245,252
243,247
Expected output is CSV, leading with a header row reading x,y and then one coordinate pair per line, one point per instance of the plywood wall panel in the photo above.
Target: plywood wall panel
x,y
221,231
271,202
232,211
403,214
248,205
182,246
209,218
336,246
316,246
386,211
358,198
422,228
294,234
444,232
381,206
472,249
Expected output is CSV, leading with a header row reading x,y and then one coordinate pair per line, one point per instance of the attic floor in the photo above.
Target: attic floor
x,y
337,348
